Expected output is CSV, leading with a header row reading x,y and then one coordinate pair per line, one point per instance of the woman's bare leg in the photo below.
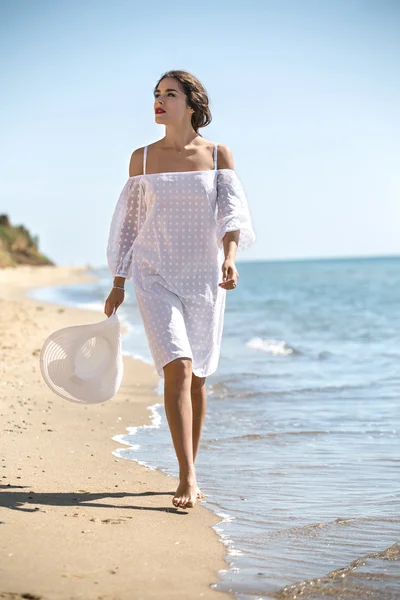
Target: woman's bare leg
x,y
199,406
178,409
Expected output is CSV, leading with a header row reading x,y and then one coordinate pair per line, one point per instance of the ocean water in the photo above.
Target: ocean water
x,y
300,451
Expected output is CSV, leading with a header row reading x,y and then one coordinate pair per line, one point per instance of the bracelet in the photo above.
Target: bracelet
x,y
118,288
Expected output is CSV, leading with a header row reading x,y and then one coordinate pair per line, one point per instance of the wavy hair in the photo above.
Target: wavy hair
x,y
196,97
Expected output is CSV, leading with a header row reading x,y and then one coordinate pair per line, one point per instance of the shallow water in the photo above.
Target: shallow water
x,y
300,449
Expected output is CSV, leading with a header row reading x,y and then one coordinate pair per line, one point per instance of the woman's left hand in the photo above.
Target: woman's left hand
x,y
229,275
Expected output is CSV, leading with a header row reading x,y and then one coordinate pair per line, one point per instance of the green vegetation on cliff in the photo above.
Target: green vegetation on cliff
x,y
18,247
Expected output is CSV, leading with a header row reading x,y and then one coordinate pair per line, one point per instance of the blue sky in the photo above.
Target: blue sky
x,y
305,93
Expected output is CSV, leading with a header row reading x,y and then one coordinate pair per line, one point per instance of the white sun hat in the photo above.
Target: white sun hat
x,y
83,363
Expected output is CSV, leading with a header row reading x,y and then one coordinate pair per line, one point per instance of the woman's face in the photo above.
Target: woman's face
x,y
170,97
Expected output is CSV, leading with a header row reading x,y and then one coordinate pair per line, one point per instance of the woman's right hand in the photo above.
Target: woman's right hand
x,y
114,300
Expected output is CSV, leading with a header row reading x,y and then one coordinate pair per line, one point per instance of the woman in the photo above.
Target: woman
x,y
177,225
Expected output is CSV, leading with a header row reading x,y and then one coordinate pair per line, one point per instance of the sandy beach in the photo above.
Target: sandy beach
x,y
76,522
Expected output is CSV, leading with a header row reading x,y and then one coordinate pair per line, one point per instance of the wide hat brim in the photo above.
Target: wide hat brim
x,y
83,363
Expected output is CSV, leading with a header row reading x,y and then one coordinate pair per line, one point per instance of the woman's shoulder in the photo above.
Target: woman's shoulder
x,y
225,157
224,154
136,162
137,159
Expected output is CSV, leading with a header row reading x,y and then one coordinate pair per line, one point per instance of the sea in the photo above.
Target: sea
x,y
300,450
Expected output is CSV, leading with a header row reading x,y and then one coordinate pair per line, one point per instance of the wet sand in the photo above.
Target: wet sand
x,y
75,521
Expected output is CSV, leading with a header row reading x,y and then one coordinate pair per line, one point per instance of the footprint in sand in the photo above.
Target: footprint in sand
x,y
12,596
112,521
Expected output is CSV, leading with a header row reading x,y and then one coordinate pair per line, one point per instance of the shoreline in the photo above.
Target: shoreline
x,y
76,521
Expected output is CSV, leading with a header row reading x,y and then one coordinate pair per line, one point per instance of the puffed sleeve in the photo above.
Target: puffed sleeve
x,y
128,218
232,209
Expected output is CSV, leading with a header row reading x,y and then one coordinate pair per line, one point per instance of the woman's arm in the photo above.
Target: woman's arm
x,y
231,239
135,168
233,219
128,218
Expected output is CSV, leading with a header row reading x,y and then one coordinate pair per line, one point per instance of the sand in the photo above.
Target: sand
x,y
75,521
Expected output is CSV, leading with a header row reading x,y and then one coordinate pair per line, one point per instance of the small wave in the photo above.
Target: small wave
x,y
263,436
330,584
311,527
275,347
325,388
221,392
128,440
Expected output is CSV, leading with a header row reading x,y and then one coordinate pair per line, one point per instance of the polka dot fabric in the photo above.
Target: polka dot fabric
x,y
166,234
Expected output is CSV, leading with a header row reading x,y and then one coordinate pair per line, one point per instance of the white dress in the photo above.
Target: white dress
x,y
166,234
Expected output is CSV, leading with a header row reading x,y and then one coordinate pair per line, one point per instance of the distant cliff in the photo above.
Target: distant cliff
x,y
18,247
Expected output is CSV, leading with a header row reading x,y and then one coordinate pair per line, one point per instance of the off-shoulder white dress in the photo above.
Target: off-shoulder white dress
x,y
166,235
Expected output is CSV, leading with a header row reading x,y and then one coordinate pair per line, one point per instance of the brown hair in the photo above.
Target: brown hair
x,y
196,97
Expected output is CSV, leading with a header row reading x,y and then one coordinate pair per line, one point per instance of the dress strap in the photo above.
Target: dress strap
x,y
144,159
215,156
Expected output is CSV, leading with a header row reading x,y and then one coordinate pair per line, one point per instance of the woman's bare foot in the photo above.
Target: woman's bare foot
x,y
186,494
200,493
